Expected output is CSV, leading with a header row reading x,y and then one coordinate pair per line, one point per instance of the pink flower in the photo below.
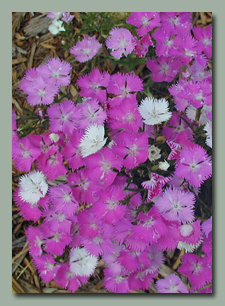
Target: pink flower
x,y
94,85
71,151
179,21
139,280
108,206
67,279
24,154
36,238
196,269
67,17
142,45
164,68
121,41
132,147
101,165
204,38
165,42
56,72
51,163
194,165
39,92
90,113
46,266
63,200
123,86
86,49
171,284
145,22
154,185
63,117
125,117
176,205
115,279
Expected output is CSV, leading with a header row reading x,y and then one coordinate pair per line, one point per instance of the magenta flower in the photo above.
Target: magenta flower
x,y
165,41
108,206
67,279
115,279
132,260
39,92
101,165
142,45
132,147
36,238
194,165
90,113
46,266
145,22
176,205
204,38
123,86
154,185
94,85
140,280
196,269
164,68
86,49
24,154
63,200
71,151
63,117
56,72
125,117
121,42
171,284
51,163
179,21
67,17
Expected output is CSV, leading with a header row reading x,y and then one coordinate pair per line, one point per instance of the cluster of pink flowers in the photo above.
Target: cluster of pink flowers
x,y
99,179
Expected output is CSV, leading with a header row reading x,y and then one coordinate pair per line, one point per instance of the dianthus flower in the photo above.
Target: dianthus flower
x,y
164,69
154,111
51,163
180,22
54,15
153,153
196,269
101,165
154,185
66,279
36,238
142,45
194,165
125,117
56,72
86,49
176,205
63,200
63,117
94,85
123,86
71,151
132,147
67,17
38,91
46,266
82,263
171,284
140,280
32,187
93,140
121,41
90,113
204,38
208,130
115,278
56,26
145,21
165,41
24,154
108,206
205,111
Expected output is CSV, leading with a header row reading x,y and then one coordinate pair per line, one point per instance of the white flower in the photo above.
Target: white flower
x,y
164,165
93,140
81,262
56,27
191,113
32,187
154,111
153,153
54,137
208,130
